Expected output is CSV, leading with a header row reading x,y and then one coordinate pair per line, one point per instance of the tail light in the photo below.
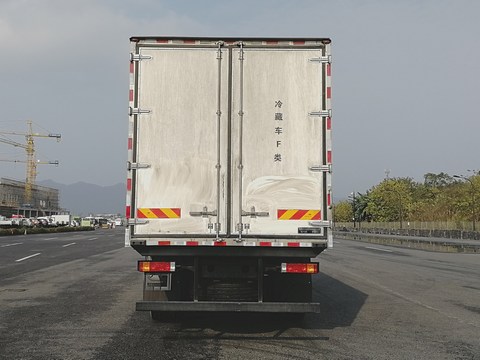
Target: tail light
x,y
297,268
156,266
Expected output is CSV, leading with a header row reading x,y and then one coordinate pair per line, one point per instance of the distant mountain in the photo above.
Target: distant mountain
x,y
82,198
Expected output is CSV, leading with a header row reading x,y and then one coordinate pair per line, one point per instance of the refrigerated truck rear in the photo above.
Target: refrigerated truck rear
x,y
229,171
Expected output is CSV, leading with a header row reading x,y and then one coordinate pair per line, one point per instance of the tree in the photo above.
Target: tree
x,y
343,212
360,206
467,199
438,180
391,200
440,197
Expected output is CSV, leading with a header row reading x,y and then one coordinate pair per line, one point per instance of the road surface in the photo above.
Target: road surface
x,y
72,296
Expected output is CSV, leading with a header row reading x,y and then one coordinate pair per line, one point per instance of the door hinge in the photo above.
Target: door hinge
x,y
138,111
136,166
321,168
138,57
322,113
322,59
243,227
217,226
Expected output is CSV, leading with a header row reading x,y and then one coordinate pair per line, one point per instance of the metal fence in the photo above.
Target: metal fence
x,y
438,229
415,225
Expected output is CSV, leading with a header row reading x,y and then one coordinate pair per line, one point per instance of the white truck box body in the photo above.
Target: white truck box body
x,y
62,219
230,140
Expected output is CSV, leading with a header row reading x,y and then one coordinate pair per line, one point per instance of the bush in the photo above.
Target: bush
x,y
43,230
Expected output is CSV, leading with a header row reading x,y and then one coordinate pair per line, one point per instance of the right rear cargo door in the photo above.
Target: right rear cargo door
x,y
278,142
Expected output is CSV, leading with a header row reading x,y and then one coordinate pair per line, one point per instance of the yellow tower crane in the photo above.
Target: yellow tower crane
x,y
30,150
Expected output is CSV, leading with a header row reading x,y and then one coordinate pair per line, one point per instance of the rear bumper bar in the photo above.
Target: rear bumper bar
x,y
228,306
223,251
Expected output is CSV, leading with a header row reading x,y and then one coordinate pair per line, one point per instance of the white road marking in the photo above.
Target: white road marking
x,y
7,245
374,248
92,239
68,244
27,257
50,238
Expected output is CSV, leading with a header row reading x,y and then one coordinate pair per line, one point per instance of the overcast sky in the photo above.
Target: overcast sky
x,y
406,77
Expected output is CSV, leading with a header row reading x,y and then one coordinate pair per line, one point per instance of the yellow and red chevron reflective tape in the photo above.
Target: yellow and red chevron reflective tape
x,y
159,213
298,214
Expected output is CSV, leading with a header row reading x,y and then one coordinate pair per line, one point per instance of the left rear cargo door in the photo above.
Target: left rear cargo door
x,y
178,174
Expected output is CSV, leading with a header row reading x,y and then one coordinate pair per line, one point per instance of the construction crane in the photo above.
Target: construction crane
x,y
30,150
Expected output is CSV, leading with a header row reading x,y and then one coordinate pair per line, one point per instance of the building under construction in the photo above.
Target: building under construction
x,y
44,201
27,198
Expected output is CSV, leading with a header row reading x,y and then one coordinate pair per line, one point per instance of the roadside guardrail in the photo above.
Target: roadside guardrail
x,y
428,244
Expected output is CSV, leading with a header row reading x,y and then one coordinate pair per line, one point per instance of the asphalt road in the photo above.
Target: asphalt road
x,y
72,296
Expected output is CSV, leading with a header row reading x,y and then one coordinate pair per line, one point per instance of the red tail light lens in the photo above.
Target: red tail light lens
x,y
308,268
156,266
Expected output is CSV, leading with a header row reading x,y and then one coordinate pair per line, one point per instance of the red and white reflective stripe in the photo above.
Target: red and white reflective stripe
x,y
131,102
299,244
270,244
156,242
328,96
246,42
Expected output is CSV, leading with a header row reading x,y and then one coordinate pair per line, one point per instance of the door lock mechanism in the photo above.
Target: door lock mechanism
x,y
253,214
205,213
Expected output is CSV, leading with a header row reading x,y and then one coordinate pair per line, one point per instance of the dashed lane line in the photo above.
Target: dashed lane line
x,y
67,245
378,249
27,257
7,245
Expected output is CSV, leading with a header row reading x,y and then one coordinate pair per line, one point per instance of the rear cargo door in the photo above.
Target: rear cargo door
x,y
277,147
180,161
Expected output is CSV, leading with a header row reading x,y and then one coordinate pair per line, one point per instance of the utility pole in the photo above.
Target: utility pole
x,y
354,208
